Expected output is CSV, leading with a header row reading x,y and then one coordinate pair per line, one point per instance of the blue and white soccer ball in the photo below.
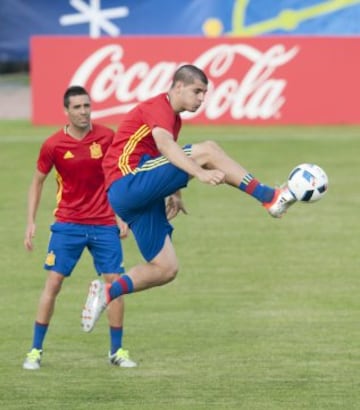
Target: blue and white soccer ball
x,y
308,182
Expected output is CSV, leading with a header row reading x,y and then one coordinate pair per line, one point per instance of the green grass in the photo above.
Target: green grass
x,y
264,314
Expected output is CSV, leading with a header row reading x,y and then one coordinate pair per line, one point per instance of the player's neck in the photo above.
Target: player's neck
x,y
172,101
76,132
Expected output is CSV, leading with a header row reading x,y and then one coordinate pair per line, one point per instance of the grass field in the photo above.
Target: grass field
x,y
264,314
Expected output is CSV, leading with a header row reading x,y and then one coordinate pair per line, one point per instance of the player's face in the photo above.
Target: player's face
x,y
192,95
79,111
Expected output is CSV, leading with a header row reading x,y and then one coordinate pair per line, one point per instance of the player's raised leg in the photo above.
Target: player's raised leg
x,y
210,155
160,270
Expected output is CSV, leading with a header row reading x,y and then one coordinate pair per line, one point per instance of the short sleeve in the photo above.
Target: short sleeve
x,y
45,160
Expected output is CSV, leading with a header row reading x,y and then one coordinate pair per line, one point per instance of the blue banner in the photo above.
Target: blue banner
x,y
21,19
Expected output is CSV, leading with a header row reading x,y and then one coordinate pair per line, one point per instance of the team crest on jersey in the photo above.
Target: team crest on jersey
x,y
50,259
95,150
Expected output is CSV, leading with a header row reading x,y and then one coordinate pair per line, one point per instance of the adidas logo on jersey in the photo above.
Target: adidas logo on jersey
x,y
68,155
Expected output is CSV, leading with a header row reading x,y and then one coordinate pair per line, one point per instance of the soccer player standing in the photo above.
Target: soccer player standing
x,y
83,219
145,165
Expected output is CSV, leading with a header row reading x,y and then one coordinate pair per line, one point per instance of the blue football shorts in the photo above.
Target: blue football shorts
x,y
139,199
68,241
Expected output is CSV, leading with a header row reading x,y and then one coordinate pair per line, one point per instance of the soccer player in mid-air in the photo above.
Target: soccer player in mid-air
x,y
83,219
145,165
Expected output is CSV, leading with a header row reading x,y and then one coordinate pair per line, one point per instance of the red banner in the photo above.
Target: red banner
x,y
277,80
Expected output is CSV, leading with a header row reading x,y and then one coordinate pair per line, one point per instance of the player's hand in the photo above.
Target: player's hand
x,y
124,228
174,205
211,176
29,235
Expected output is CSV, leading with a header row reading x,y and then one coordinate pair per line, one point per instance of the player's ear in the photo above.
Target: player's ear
x,y
178,85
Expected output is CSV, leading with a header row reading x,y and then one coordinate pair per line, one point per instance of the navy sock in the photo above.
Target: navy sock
x,y
40,330
116,334
253,187
121,286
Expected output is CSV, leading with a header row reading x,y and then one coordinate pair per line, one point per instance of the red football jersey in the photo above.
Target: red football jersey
x,y
81,195
134,137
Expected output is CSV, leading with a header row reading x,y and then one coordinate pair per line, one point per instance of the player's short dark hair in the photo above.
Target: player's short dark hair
x,y
71,92
188,73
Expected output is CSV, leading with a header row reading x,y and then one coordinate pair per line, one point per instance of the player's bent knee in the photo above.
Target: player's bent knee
x,y
205,152
207,146
212,148
170,273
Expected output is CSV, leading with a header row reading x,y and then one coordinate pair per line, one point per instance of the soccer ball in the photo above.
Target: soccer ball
x,y
308,182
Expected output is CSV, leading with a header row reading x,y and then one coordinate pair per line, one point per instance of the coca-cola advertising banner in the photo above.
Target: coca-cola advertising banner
x,y
277,80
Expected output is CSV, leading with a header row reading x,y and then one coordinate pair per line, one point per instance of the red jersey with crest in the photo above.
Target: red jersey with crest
x,y
134,137
81,196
